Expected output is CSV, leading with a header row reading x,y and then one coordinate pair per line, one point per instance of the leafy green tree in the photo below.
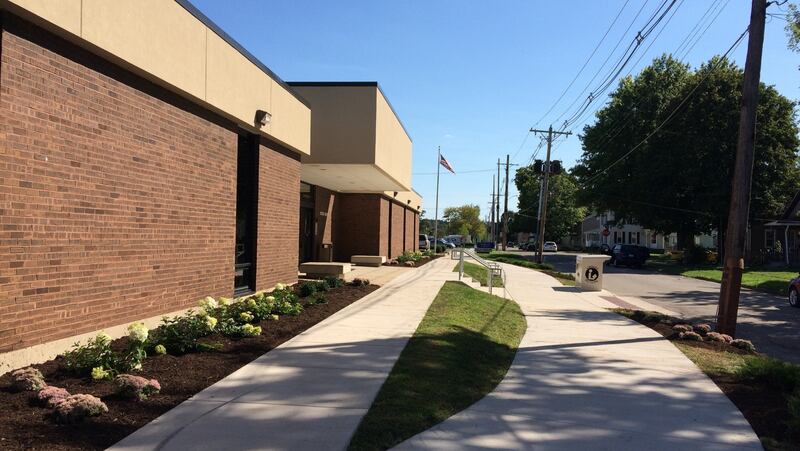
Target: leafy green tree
x,y
464,220
679,179
563,210
793,27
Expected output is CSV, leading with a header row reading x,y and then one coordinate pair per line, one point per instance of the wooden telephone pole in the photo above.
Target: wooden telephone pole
x,y
546,168
742,177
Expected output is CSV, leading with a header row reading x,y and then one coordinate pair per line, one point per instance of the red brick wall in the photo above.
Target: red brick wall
x,y
117,199
357,227
398,229
412,241
278,217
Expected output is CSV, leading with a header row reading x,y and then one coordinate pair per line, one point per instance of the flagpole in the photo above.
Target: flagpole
x,y
436,214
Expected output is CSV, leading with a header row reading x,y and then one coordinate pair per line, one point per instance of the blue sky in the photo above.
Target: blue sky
x,y
473,77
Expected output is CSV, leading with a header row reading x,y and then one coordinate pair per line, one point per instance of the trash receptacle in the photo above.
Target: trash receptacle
x,y
589,272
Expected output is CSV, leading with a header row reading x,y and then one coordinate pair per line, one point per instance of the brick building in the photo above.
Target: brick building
x,y
147,160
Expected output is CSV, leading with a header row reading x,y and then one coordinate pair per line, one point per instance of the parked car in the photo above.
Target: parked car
x,y
549,246
629,255
446,244
794,292
424,243
605,249
529,246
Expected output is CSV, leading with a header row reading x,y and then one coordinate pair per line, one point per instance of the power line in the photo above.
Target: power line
x,y
585,63
672,114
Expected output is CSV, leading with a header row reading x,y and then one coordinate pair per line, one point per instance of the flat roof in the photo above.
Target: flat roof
x,y
188,6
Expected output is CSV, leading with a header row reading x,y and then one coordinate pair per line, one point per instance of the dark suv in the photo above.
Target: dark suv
x,y
629,255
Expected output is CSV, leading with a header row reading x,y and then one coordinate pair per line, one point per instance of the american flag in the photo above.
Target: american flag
x,y
443,161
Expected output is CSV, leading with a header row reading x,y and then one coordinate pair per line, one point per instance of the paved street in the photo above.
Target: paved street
x,y
765,319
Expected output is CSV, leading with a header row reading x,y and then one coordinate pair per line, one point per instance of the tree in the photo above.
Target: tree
x,y
464,220
793,27
679,179
563,211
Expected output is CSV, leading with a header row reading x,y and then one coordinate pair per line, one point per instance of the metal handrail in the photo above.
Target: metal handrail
x,y
492,268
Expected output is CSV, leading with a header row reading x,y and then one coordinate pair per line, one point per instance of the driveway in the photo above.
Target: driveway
x,y
767,320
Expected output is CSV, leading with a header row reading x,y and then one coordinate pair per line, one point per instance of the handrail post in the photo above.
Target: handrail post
x,y
491,279
461,265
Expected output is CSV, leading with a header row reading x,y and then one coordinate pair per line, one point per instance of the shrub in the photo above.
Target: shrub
x,y
50,396
394,262
333,282
691,336
249,330
410,263
410,256
771,372
718,337
160,349
682,328
307,289
316,300
702,329
358,282
97,353
76,408
747,345
180,334
130,386
27,379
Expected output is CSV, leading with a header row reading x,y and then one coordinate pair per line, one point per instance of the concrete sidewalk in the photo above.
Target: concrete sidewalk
x,y
311,392
585,378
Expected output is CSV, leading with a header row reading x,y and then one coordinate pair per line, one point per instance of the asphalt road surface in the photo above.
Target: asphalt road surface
x,y
768,320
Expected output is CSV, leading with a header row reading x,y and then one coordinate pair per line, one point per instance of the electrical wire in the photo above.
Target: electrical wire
x,y
672,114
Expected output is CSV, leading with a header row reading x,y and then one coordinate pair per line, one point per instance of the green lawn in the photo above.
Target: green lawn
x,y
459,353
479,273
775,281
520,260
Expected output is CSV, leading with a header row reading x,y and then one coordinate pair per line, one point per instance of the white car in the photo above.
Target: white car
x,y
549,246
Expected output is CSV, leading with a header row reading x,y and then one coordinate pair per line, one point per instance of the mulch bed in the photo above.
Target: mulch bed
x,y
24,425
422,262
763,406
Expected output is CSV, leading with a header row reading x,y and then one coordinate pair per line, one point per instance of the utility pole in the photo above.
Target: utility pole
x,y
497,205
492,208
505,208
543,209
742,176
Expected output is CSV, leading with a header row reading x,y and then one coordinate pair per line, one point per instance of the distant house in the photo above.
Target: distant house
x,y
603,228
776,240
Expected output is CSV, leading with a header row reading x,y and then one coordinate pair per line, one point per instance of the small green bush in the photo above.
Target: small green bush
x,y
180,334
333,282
771,372
97,353
306,289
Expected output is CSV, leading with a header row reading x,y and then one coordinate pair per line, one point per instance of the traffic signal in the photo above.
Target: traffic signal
x,y
555,167
537,166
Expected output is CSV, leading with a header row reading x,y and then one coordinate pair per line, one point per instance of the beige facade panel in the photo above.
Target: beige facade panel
x,y
157,36
252,90
291,120
166,43
353,124
64,13
392,145
343,124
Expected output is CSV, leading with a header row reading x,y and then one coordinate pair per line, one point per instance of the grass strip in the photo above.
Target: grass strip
x,y
479,273
461,350
520,260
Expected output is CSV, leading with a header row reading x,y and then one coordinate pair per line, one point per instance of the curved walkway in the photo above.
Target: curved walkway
x,y
585,378
311,392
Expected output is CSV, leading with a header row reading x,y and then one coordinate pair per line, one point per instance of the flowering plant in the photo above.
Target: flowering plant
x,y
131,386
180,334
50,396
160,349
99,373
138,332
77,407
28,379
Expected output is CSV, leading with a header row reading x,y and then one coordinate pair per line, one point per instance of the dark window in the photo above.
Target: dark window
x,y
246,214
